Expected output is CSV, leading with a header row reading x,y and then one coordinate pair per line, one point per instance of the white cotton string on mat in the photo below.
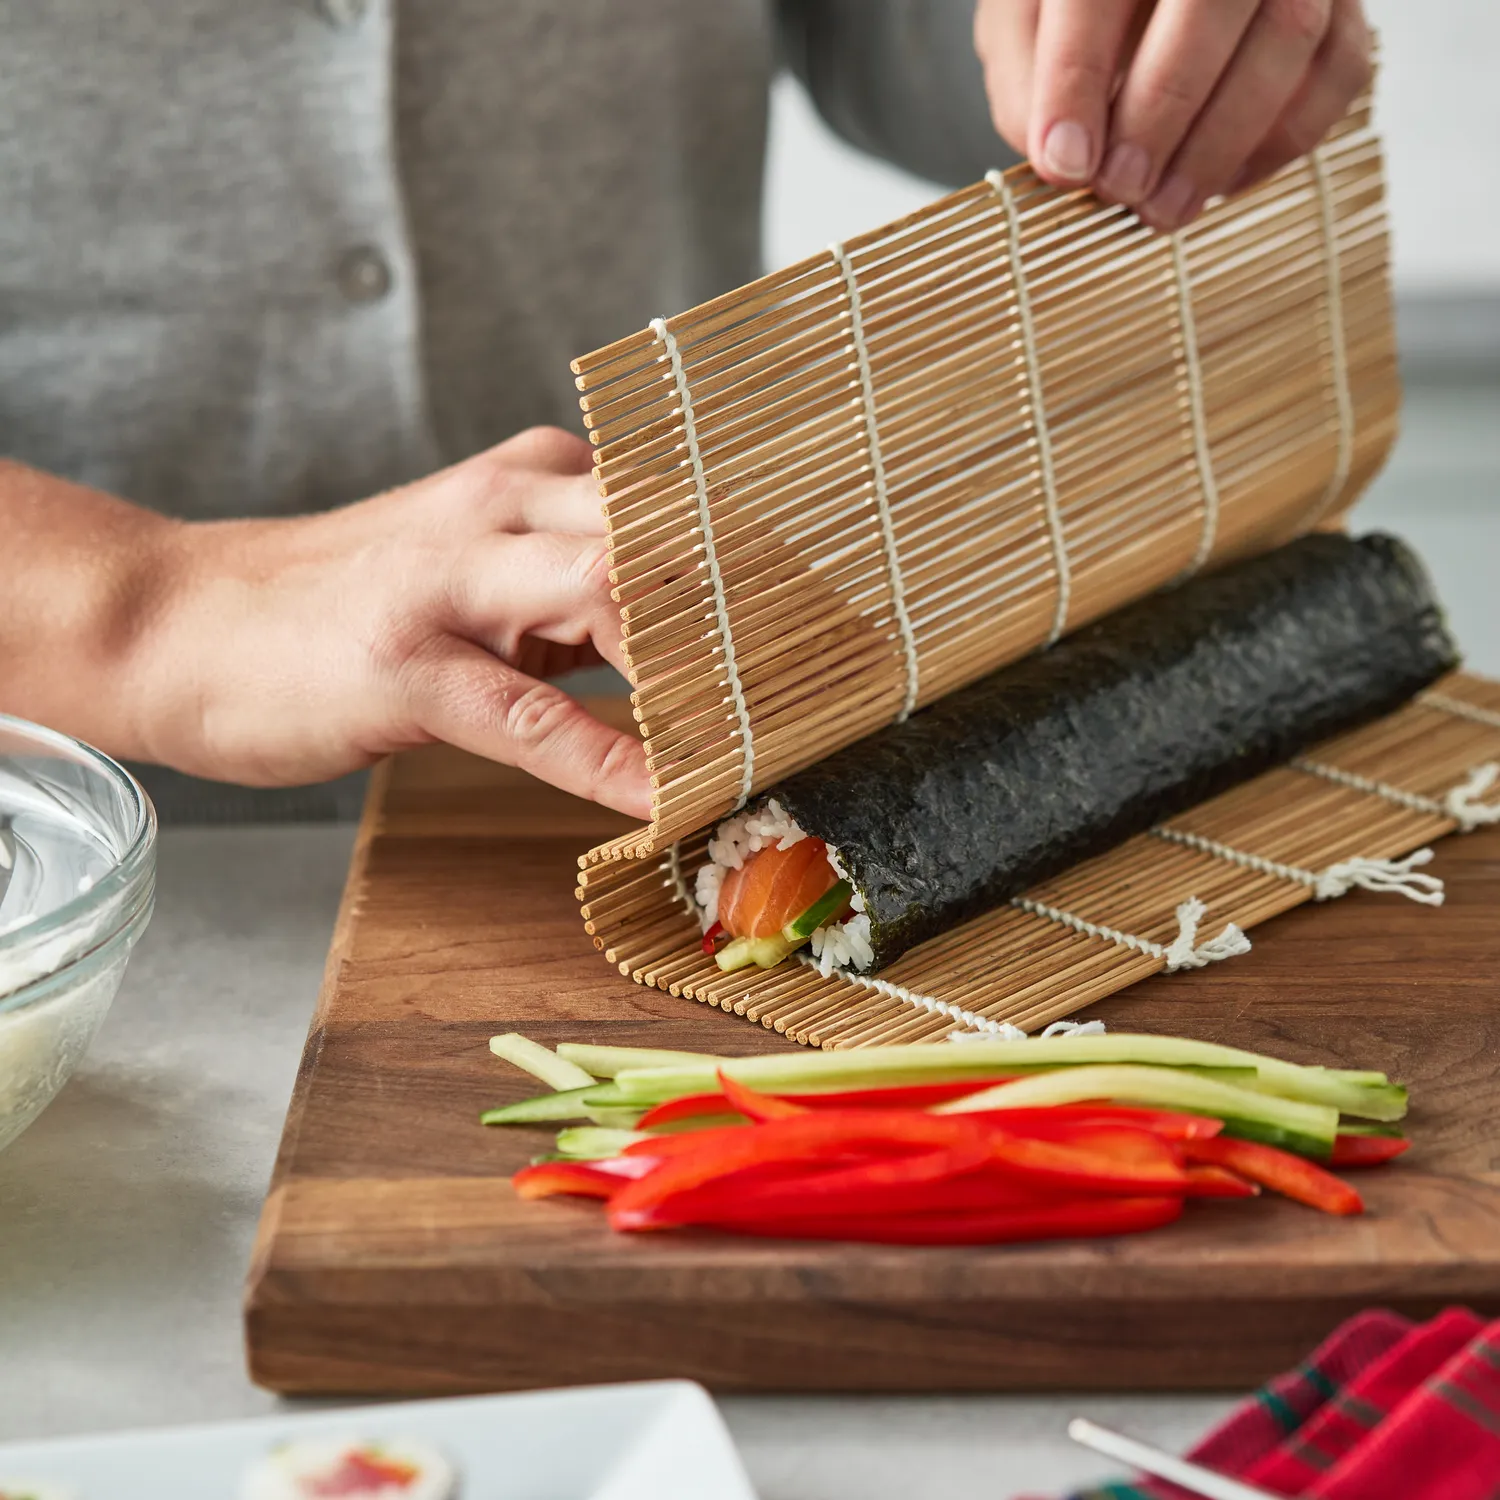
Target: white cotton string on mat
x,y
672,865
1337,346
1009,1033
914,997
711,557
1192,367
878,482
1401,876
1183,952
1051,504
1461,803
979,1026
1460,709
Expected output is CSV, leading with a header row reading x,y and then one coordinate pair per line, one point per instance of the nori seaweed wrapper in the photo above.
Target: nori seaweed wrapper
x,y
1133,719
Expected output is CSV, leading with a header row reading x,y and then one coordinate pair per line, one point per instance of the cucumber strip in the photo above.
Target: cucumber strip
x,y
1276,1135
698,1122
824,909
615,1119
643,1091
1371,1101
594,1142
605,1062
607,1096
764,953
1159,1088
1370,1127
873,1067
567,1105
570,1105
531,1057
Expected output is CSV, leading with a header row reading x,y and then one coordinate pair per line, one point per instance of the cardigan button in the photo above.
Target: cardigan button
x,y
364,274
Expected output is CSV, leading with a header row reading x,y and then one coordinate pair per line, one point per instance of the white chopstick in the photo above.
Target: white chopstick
x,y
1149,1460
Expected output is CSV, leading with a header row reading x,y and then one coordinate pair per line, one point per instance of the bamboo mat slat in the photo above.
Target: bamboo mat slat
x,y
845,490
864,481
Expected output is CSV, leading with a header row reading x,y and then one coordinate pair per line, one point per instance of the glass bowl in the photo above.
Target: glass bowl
x,y
77,883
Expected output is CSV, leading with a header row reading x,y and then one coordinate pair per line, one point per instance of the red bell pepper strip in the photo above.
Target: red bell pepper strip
x,y
905,1096
1166,1123
1114,1159
548,1178
754,1105
1051,1118
1070,1219
1366,1150
874,1189
711,936
627,1167
813,1136
1111,1160
1292,1176
688,1107
897,1096
1205,1181
689,1142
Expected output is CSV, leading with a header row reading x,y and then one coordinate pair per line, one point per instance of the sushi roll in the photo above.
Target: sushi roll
x,y
769,887
1060,757
350,1469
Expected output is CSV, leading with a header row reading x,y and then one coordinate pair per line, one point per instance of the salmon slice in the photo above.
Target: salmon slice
x,y
773,887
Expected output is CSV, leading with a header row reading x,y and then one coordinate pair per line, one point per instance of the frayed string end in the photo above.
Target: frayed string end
x,y
1462,804
1004,1031
1397,876
1186,952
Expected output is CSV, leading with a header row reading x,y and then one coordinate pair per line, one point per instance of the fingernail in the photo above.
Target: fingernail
x,y
1127,170
1168,206
1067,151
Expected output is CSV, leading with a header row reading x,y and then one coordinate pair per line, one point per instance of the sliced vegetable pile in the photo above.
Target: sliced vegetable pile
x,y
980,1143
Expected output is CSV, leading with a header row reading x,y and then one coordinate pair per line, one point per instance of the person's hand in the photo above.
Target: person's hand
x,y
1165,104
289,651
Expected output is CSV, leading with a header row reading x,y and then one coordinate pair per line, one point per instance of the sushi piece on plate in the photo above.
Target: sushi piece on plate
x,y
1060,757
351,1469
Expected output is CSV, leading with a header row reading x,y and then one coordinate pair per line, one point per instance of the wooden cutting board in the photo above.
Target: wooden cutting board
x,y
393,1257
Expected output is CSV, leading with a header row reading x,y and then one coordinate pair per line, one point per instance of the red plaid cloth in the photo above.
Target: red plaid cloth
x,y
1361,1405
1383,1410
1441,1443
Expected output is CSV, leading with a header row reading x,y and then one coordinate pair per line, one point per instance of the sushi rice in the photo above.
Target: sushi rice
x,y
835,944
324,1468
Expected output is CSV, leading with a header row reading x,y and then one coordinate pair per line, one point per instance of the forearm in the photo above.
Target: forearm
x,y
86,582
278,652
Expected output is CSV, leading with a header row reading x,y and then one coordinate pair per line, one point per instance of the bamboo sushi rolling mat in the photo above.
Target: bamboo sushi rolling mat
x,y
853,486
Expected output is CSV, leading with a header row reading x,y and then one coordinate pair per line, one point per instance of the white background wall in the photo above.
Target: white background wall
x,y
1438,106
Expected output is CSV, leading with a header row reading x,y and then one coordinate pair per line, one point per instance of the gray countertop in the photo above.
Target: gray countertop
x,y
128,1210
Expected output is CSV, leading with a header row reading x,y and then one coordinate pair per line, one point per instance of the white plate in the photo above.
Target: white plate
x,y
659,1440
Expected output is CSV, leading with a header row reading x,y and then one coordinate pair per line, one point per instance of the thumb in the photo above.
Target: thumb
x,y
461,694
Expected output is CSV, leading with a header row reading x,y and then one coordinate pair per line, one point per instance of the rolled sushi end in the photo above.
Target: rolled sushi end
x,y
322,1468
769,887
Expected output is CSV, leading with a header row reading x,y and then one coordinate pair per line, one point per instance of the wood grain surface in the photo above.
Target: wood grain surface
x,y
393,1257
